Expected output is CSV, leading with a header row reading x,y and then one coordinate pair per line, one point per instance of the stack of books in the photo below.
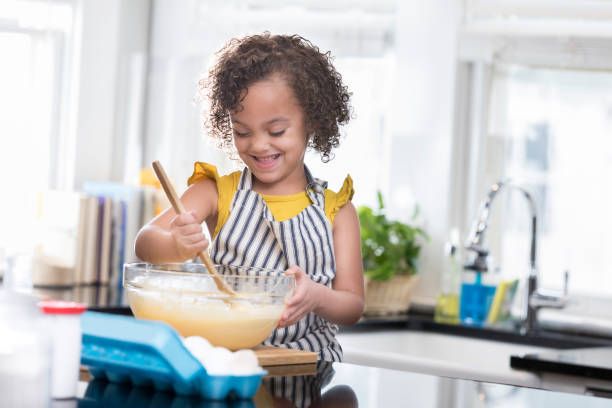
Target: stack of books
x,y
86,237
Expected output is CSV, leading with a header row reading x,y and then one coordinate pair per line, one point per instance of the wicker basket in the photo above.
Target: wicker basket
x,y
388,297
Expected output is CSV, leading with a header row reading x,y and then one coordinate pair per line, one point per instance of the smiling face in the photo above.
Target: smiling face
x,y
270,137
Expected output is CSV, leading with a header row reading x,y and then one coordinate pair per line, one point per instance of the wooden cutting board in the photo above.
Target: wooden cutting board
x,y
277,361
275,356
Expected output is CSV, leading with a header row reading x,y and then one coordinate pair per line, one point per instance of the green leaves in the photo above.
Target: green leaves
x,y
388,247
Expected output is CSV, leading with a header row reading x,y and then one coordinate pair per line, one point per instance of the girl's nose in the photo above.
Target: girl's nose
x,y
260,142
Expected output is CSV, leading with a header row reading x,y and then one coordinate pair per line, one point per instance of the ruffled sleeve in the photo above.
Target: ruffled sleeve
x,y
226,185
335,201
203,170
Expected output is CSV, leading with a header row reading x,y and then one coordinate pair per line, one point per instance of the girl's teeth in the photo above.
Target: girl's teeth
x,y
266,158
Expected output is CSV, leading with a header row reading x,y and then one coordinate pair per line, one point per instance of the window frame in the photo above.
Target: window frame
x,y
479,53
59,175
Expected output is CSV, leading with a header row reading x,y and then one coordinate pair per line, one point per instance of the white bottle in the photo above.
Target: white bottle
x,y
65,326
25,352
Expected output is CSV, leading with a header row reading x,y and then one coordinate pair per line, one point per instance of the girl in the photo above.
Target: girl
x,y
271,97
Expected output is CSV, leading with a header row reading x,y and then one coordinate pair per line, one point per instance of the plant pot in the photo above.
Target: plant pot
x,y
388,297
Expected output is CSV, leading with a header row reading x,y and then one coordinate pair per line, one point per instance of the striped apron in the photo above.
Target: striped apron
x,y
252,237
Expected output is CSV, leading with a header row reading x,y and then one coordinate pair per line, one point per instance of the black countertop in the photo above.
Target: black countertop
x,y
111,299
103,297
346,385
417,321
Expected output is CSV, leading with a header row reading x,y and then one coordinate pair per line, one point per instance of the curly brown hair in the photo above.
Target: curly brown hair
x,y
309,73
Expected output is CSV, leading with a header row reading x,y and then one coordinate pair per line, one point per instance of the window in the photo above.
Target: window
x,y
550,130
34,43
535,83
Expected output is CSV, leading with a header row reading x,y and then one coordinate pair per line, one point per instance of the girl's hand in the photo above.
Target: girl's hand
x,y
306,297
188,235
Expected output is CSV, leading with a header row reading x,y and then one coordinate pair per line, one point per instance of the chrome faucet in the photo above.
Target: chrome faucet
x,y
479,263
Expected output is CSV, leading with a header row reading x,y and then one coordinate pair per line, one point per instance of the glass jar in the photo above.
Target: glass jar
x,y
25,353
447,304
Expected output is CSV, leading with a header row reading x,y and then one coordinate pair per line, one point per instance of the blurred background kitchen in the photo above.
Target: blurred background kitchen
x,y
449,97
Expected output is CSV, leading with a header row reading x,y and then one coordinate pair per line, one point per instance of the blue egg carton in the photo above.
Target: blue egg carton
x,y
123,349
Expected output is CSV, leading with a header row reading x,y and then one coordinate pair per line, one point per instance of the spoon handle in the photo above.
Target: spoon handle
x,y
177,204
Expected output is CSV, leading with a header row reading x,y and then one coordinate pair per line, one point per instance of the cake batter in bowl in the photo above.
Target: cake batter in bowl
x,y
185,296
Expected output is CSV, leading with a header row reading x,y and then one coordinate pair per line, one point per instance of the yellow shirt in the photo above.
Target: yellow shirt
x,y
282,207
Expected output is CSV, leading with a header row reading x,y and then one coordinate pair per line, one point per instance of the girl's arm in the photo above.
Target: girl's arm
x,y
343,302
172,238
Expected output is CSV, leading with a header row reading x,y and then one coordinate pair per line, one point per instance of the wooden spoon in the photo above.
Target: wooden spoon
x,y
180,209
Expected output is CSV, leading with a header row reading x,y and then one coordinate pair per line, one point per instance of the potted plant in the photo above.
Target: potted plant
x,y
390,251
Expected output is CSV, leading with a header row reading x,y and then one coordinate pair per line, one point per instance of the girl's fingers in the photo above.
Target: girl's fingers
x,y
190,229
296,297
292,315
183,219
285,322
199,247
189,218
192,245
294,270
286,316
298,305
299,296
195,238
295,317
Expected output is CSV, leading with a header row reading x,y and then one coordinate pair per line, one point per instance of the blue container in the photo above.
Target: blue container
x,y
475,303
123,349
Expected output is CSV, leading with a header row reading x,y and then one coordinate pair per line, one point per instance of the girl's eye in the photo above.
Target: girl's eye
x,y
280,132
239,134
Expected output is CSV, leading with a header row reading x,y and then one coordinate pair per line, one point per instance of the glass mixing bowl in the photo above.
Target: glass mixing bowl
x,y
185,296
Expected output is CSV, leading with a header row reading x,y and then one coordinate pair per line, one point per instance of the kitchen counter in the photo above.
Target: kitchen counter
x,y
416,343
439,354
348,385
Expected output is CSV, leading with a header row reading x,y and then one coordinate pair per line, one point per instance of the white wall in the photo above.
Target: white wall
x,y
110,60
422,127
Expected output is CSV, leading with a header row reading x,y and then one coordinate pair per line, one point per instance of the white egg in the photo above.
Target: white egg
x,y
198,346
221,361
244,362
217,361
